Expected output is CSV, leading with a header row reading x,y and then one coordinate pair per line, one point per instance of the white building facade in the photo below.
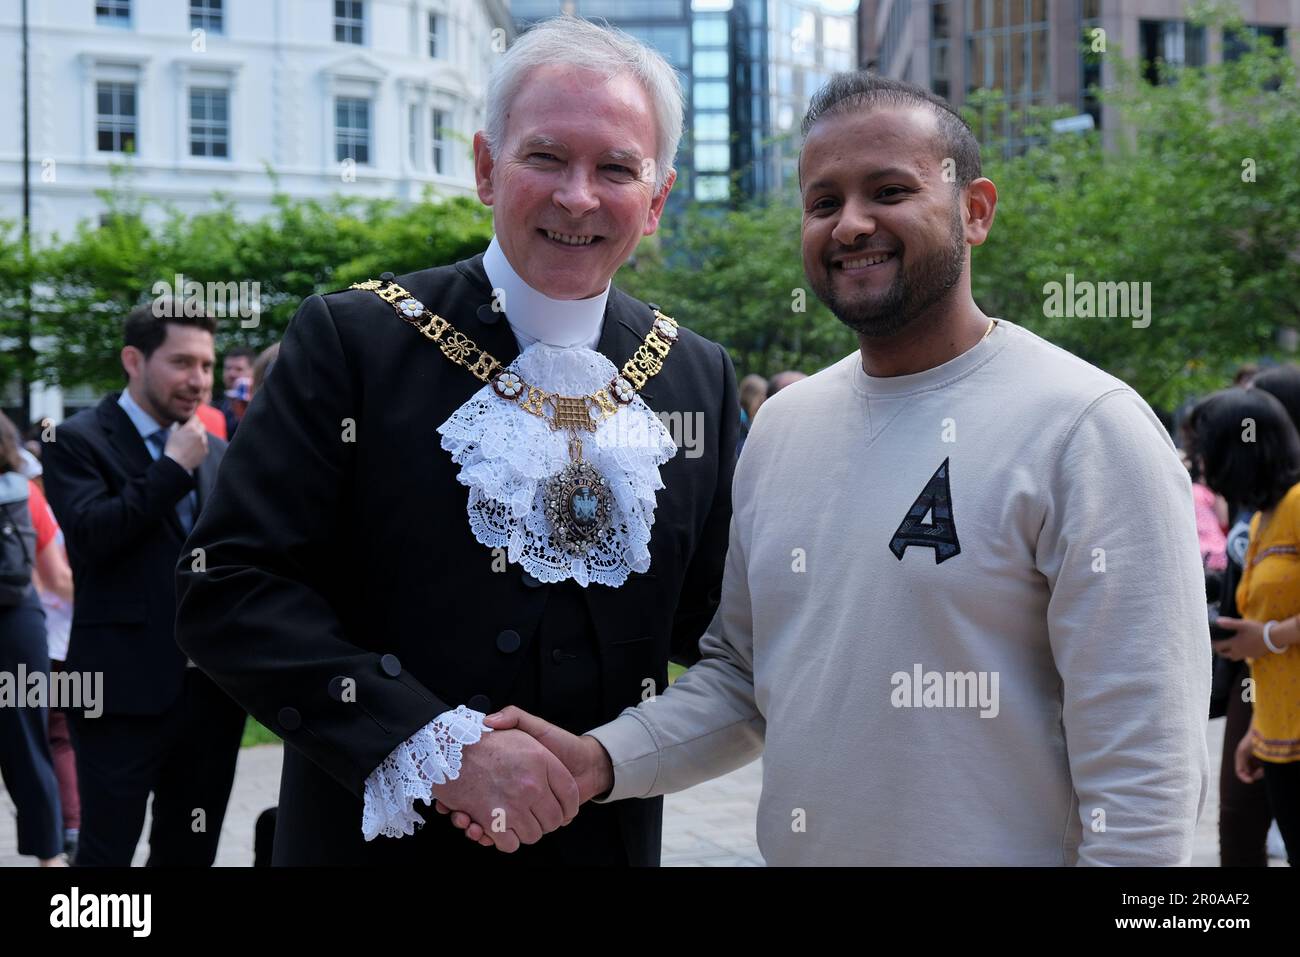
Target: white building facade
x,y
374,98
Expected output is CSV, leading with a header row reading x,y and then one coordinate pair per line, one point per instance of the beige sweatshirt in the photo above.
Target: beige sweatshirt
x,y
963,619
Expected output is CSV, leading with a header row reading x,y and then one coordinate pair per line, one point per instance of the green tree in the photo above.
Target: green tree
x,y
1197,196
86,287
303,247
16,274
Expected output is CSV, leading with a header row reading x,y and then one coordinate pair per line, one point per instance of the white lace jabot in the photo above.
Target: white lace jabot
x,y
507,455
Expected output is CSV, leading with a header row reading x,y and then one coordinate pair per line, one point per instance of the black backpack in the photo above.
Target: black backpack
x,y
17,551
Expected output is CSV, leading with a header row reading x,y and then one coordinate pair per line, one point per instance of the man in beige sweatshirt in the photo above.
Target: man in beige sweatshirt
x,y
963,611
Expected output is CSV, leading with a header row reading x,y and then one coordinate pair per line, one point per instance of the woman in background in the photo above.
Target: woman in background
x,y
25,762
1249,452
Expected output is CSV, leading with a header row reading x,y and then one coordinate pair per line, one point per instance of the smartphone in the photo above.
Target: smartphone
x,y
1217,633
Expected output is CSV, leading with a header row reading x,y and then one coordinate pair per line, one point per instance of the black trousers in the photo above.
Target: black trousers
x,y
25,763
185,757
1244,814
1283,784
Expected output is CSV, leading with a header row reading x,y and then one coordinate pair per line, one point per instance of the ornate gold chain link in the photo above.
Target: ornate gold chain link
x,y
563,412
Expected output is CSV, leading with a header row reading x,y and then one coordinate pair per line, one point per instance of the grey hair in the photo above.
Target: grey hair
x,y
572,41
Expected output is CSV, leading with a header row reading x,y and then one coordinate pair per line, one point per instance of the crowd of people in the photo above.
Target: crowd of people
x,y
80,783
755,390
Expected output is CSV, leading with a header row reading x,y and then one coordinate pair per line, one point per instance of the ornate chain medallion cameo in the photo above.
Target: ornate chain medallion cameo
x,y
577,501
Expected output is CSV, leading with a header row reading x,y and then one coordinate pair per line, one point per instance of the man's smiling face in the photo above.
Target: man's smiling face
x,y
572,185
883,234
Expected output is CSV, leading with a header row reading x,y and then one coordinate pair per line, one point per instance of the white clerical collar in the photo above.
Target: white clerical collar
x,y
534,317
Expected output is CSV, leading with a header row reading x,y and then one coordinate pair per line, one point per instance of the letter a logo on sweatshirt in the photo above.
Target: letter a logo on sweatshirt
x,y
940,533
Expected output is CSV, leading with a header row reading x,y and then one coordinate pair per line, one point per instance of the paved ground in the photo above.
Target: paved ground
x,y
709,826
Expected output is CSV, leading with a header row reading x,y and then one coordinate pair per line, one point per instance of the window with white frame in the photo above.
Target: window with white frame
x,y
210,122
352,129
115,117
207,15
113,13
435,36
438,131
349,21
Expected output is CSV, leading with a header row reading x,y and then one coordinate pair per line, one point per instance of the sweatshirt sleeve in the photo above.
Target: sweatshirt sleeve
x,y
707,723
1129,634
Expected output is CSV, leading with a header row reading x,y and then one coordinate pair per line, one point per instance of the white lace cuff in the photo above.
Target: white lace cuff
x,y
428,757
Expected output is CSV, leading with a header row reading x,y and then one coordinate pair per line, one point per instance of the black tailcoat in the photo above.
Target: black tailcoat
x,y
338,547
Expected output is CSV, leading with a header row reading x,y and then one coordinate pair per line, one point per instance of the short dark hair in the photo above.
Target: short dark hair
x,y
863,90
1283,383
147,331
241,352
1254,473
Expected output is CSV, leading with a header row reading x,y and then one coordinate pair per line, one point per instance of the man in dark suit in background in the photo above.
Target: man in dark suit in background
x,y
351,601
128,478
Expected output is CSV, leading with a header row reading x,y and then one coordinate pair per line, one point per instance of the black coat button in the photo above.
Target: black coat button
x,y
530,581
289,719
390,666
488,316
508,641
480,702
386,276
337,685
654,306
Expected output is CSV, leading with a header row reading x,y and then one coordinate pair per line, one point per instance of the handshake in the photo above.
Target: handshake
x,y
525,779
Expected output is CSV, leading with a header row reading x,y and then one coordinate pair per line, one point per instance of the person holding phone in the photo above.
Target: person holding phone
x,y
1250,452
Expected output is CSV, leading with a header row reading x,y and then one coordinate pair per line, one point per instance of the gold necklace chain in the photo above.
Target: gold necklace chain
x,y
561,411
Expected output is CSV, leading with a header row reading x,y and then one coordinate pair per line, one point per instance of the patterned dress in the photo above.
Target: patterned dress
x,y
1270,590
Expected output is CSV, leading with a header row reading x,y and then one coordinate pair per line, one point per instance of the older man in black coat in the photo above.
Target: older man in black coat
x,y
392,549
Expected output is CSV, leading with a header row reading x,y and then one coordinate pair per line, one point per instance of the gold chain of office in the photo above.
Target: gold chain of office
x,y
563,412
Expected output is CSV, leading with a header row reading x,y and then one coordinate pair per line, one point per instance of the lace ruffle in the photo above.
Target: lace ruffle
x,y
506,456
428,757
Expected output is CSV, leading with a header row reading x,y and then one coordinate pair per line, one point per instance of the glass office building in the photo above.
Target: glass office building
x,y
747,69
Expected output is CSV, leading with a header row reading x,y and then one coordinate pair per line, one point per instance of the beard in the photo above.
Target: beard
x,y
162,401
916,287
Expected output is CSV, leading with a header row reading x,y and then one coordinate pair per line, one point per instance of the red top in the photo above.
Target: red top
x,y
47,529
213,420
